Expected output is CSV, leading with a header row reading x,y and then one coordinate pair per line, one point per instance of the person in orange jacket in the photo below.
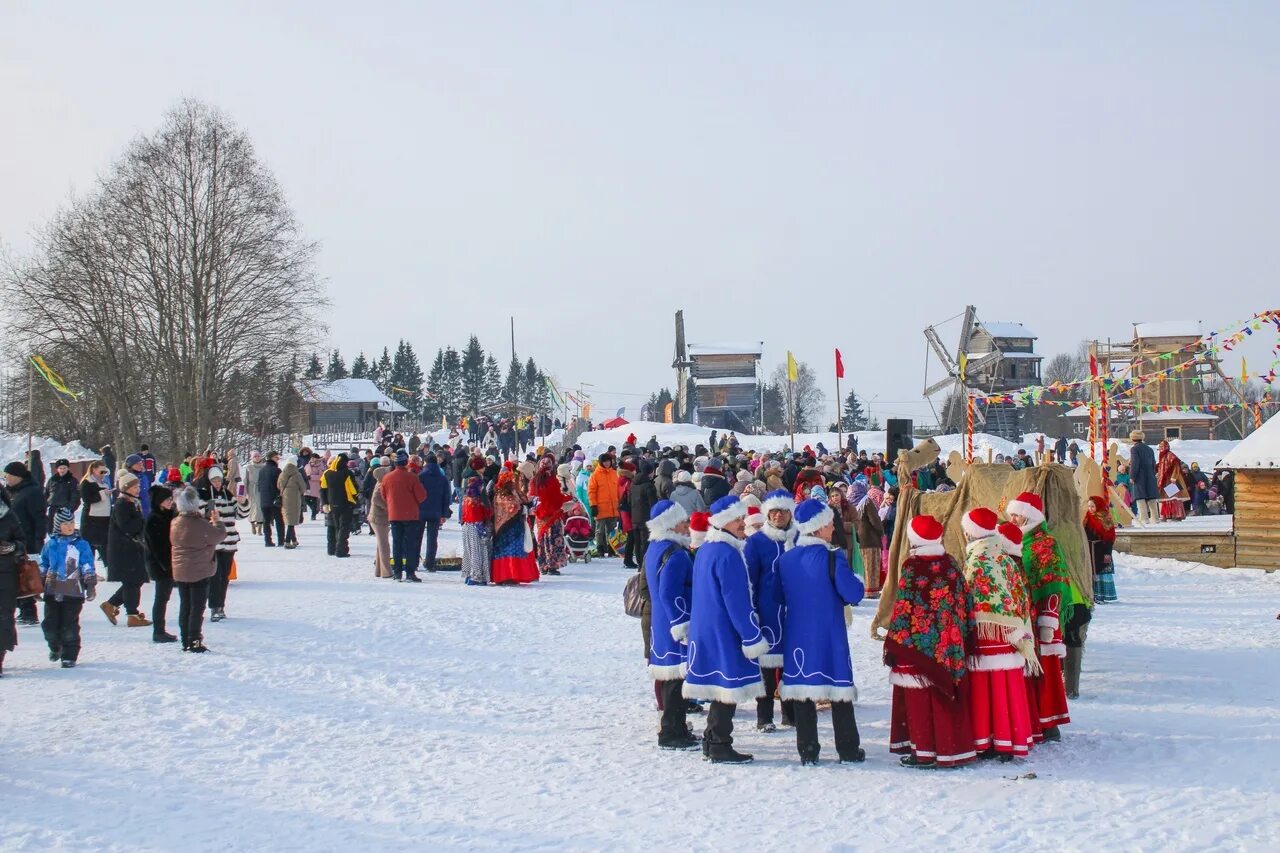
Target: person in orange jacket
x,y
604,493
403,493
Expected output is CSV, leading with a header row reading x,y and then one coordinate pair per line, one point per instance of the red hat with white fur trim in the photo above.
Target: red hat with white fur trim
x,y
699,523
979,523
755,520
924,530
1011,538
1029,505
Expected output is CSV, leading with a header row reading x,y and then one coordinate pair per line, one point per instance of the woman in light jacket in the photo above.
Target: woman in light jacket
x,y
293,488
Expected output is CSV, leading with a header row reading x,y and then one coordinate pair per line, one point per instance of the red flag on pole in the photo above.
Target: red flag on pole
x,y
839,366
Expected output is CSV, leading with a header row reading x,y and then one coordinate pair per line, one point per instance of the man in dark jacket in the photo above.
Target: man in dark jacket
x,y
644,494
1142,479
109,459
269,499
663,482
340,499
1060,449
714,484
60,490
434,510
26,502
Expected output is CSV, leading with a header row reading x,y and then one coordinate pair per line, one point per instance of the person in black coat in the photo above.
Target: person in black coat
x,y
1143,485
26,503
159,557
126,558
339,506
644,494
13,547
95,514
269,499
61,490
109,459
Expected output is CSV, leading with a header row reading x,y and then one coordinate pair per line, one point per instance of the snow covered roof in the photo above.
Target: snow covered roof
x,y
1167,329
756,349
726,380
974,356
346,391
1259,450
1148,417
1006,330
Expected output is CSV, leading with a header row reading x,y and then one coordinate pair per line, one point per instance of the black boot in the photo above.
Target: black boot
x,y
163,637
721,754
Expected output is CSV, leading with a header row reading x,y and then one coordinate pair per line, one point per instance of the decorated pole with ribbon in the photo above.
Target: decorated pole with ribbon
x,y
968,430
839,418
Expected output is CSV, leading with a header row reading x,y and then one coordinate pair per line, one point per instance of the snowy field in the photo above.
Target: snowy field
x,y
341,712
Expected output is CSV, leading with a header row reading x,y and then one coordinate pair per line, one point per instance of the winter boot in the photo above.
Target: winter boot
x,y
137,620
2,654
1071,671
68,664
725,754
196,646
218,615
856,756
163,637
113,612
681,742
55,655
912,761
1053,733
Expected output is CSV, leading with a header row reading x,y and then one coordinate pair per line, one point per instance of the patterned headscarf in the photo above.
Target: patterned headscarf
x,y
932,623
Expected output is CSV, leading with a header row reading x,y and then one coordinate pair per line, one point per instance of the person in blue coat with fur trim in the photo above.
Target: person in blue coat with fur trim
x,y
817,583
668,569
763,551
725,640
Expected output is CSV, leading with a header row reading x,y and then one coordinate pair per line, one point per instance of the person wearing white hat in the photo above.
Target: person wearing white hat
x,y
816,583
668,571
763,552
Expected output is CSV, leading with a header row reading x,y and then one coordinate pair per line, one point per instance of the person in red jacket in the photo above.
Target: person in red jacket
x,y
403,493
553,553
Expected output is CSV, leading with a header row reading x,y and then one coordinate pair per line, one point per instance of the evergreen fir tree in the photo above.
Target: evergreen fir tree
x,y
451,403
337,368
492,381
315,369
511,388
854,417
406,378
435,389
360,367
529,384
286,402
775,408
380,372
472,376
656,406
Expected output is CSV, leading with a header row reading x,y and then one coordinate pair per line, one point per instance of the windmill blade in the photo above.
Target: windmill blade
x,y
946,382
966,329
931,335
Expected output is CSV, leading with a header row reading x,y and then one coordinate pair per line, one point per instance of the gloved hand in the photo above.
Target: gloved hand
x,y
1046,633
595,512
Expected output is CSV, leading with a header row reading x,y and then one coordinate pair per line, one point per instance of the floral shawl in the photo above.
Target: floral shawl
x,y
475,504
932,623
508,503
999,592
1046,570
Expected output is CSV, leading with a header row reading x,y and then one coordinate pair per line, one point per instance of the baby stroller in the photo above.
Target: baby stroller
x,y
577,533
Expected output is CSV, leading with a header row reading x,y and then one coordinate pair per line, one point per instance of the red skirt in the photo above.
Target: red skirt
x,y
1033,706
998,711
1051,694
1172,509
930,728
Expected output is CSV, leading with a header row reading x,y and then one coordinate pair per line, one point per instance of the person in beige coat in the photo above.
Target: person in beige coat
x,y
193,539
379,522
293,489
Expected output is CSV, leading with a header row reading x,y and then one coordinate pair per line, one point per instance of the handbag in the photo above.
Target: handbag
x,y
29,582
633,599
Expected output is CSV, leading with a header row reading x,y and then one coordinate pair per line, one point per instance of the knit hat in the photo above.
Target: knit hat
x,y
744,476
17,469
727,510
63,515
699,522
1029,505
925,530
666,515
778,499
979,523
126,479
402,458
133,459
215,473
813,515
1010,538
682,476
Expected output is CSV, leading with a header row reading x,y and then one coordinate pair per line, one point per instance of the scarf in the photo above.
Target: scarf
x,y
999,593
932,622
1046,570
858,493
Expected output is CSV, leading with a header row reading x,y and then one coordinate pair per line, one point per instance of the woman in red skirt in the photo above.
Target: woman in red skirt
x,y
1005,645
927,646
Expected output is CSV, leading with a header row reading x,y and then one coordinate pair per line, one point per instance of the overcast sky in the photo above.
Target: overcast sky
x,y
812,175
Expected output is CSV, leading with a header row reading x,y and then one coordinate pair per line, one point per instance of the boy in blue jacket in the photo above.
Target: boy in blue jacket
x,y
66,567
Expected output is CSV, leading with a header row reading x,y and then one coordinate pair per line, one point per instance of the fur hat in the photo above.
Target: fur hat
x,y
17,469
744,476
727,510
186,499
980,522
778,499
61,462
666,515
1137,435
1029,505
159,494
813,515
699,523
1010,538
126,479
925,530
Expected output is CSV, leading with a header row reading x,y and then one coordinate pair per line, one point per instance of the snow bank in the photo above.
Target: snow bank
x,y
14,447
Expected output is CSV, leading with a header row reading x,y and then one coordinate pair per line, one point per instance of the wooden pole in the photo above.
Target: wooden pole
x,y
791,423
31,405
968,430
839,418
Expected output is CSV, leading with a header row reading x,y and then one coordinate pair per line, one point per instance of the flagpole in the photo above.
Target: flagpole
x,y
839,420
31,404
791,424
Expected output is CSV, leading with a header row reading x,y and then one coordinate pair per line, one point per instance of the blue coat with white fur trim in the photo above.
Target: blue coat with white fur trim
x,y
815,639
763,550
671,593
724,632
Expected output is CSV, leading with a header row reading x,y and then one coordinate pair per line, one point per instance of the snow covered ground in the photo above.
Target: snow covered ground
x,y
14,446
341,712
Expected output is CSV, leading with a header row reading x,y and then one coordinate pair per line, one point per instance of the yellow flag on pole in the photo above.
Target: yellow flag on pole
x,y
55,381
964,363
1244,371
667,412
793,369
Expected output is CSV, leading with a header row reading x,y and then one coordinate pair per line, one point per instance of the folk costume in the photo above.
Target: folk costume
x,y
1054,601
1100,529
816,583
931,634
762,551
1005,644
668,569
725,640
513,560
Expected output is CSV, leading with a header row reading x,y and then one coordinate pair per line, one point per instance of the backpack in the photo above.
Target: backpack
x,y
635,595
